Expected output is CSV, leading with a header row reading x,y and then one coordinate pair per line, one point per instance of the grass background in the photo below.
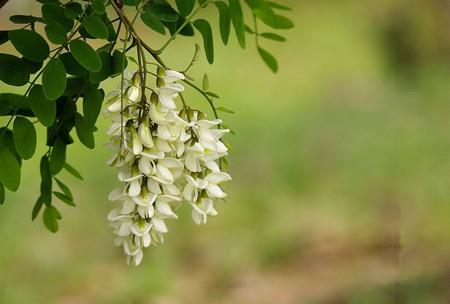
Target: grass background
x,y
341,176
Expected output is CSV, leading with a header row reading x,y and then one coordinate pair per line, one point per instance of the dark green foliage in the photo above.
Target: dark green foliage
x,y
24,136
85,134
55,33
224,20
92,104
57,156
54,79
13,70
55,13
86,55
185,7
43,108
268,59
205,30
95,27
9,169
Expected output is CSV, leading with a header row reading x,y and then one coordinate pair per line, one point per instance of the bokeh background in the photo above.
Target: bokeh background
x,y
341,176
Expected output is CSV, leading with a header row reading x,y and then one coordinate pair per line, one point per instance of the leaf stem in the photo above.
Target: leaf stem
x,y
191,84
186,22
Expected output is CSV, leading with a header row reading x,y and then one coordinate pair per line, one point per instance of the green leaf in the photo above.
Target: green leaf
x,y
92,104
224,20
273,36
13,71
237,17
44,109
73,171
3,37
213,95
86,55
164,12
95,27
33,66
270,61
15,102
153,22
283,23
23,19
72,66
55,33
205,83
37,207
75,86
50,219
278,6
130,2
54,79
185,7
30,44
46,178
58,156
98,6
205,30
24,135
84,133
64,198
8,141
226,110
9,169
72,10
55,13
120,62
64,188
46,182
2,194
106,70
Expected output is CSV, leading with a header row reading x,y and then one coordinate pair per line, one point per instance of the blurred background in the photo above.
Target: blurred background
x,y
341,176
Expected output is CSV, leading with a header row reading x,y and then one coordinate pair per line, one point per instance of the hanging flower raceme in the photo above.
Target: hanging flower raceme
x,y
164,156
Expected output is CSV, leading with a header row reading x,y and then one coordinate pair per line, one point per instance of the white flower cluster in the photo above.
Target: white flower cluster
x,y
164,156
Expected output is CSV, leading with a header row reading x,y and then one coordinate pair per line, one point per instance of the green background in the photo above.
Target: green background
x,y
341,176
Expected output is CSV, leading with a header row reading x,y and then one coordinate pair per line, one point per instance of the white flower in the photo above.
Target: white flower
x,y
213,180
154,147
201,212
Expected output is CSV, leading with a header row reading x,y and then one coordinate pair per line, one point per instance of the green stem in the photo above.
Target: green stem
x,y
191,84
186,22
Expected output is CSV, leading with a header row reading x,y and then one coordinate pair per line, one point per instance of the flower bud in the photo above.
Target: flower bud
x,y
154,99
160,83
145,134
161,72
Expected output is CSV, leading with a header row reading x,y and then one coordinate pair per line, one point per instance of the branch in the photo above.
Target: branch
x,y
3,2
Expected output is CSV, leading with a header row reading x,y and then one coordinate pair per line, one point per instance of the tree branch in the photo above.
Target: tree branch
x,y
3,2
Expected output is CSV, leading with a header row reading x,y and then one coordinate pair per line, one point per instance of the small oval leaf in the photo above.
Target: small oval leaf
x,y
50,219
55,33
95,27
24,135
13,71
43,109
58,156
84,133
9,169
54,79
86,55
92,104
30,44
